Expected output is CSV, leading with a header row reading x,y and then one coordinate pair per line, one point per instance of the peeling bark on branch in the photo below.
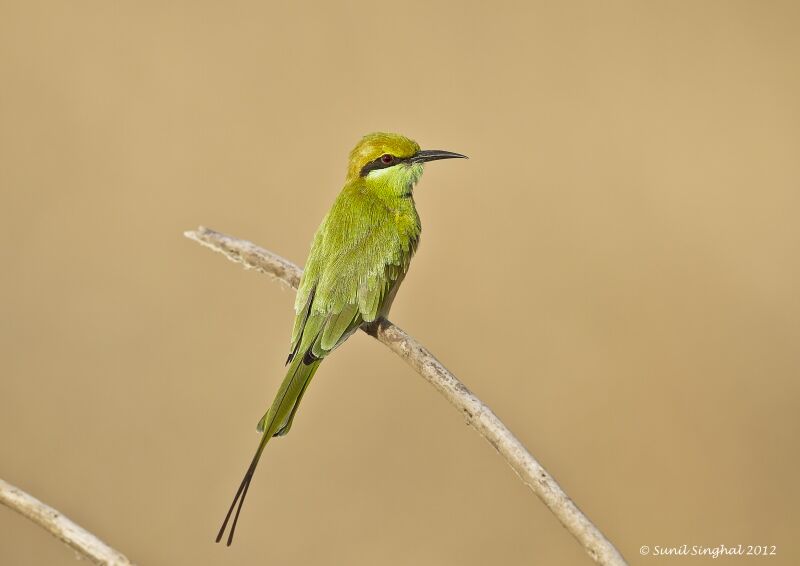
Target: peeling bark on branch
x,y
478,415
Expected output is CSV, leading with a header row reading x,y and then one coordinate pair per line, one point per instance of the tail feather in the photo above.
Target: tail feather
x,y
280,415
283,430
241,493
276,422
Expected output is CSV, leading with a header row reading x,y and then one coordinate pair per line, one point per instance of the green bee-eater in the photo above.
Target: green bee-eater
x,y
358,259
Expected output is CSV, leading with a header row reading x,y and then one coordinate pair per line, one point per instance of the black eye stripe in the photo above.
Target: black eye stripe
x,y
379,164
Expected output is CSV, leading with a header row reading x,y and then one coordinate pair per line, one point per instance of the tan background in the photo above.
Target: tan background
x,y
615,271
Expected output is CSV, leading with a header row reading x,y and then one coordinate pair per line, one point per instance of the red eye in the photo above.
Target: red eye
x,y
386,158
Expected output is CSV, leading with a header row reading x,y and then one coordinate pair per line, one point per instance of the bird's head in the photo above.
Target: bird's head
x,y
391,158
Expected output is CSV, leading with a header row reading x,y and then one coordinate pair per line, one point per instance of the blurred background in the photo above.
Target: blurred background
x,y
614,271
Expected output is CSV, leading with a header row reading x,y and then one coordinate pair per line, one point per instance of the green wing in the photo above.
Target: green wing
x,y
360,254
359,257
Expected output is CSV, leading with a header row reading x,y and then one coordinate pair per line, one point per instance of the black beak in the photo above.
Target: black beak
x,y
434,154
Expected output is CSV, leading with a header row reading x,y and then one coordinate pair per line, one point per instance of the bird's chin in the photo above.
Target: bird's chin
x,y
414,172
398,179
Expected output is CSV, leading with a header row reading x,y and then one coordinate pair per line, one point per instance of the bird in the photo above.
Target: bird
x,y
358,259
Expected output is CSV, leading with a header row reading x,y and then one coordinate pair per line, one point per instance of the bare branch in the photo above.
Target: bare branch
x,y
478,415
60,526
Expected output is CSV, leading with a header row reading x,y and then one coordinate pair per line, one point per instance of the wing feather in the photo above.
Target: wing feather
x,y
359,252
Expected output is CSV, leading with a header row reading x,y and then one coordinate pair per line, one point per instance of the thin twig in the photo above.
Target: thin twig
x,y
60,526
478,415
